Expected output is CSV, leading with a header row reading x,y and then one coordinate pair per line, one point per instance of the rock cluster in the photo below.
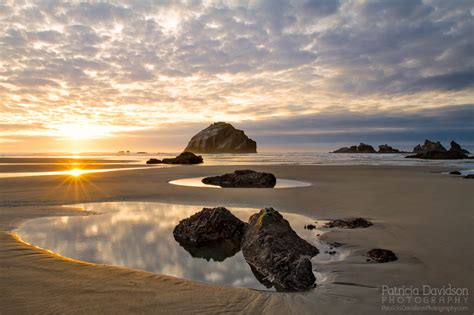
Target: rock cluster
x,y
183,158
276,254
349,223
242,179
435,151
361,148
221,137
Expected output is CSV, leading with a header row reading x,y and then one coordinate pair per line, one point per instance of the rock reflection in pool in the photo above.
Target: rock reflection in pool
x,y
140,235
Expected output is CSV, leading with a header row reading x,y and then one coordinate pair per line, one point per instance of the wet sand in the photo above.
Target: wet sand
x,y
424,216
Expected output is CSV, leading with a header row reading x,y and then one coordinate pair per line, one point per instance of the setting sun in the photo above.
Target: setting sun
x,y
76,172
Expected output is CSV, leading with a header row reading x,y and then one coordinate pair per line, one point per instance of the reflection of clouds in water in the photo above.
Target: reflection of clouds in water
x,y
140,235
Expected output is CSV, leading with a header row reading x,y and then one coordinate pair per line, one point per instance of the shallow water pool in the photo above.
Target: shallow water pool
x,y
197,182
140,235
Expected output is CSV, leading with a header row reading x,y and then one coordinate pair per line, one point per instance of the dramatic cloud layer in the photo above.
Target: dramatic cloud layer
x,y
85,70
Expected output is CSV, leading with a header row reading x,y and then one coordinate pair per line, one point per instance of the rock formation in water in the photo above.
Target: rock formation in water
x,y
183,158
469,176
361,148
209,226
385,148
349,223
435,151
221,137
276,254
365,148
381,255
242,179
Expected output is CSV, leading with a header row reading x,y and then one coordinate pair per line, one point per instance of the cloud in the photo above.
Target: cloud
x,y
149,63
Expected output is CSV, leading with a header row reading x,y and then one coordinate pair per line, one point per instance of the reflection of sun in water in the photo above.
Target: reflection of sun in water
x,y
76,172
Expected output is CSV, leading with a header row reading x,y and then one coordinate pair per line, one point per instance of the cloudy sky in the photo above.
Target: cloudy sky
x,y
305,75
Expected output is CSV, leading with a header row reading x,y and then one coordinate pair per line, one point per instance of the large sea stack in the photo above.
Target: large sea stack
x,y
221,137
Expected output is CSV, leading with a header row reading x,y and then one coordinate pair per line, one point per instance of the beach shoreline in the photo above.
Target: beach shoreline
x,y
410,207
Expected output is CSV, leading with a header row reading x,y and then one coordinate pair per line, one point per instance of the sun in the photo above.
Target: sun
x,y
75,172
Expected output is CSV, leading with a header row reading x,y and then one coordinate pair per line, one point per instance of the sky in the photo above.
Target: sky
x,y
84,76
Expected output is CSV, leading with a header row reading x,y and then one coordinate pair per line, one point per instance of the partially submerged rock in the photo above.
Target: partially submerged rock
x,y
349,223
221,137
183,158
470,176
455,173
361,148
277,255
435,151
209,226
242,179
381,255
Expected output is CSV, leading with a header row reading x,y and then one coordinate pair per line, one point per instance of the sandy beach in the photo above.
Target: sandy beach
x,y
424,216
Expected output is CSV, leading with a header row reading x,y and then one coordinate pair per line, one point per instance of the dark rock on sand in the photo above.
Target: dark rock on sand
x,y
242,179
310,227
385,148
435,151
361,148
209,226
276,253
470,176
221,137
349,223
381,255
154,161
183,158
455,173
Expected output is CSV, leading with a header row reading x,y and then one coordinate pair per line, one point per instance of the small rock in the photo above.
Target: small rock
x,y
349,223
455,173
153,161
471,176
310,227
381,255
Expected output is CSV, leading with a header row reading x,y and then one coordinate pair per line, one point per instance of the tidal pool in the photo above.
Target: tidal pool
x,y
196,182
140,235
